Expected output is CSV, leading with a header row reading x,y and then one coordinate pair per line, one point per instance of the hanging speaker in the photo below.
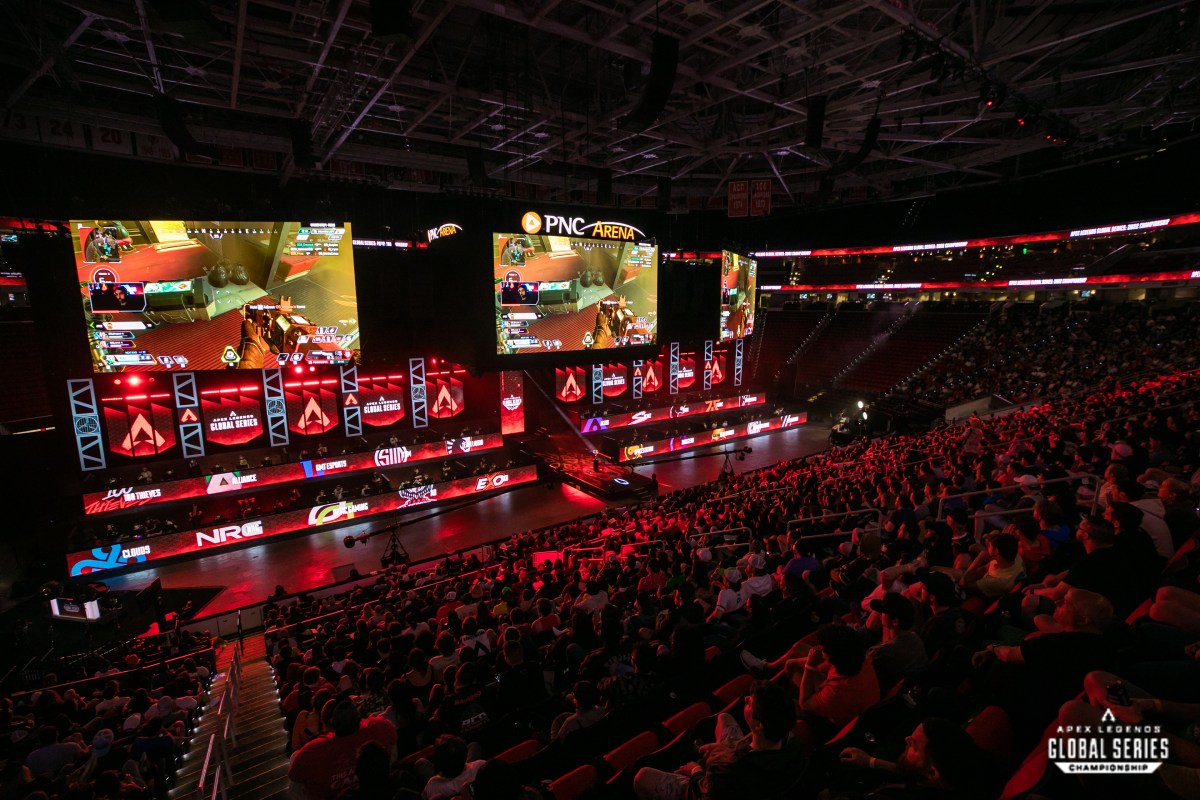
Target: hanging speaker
x,y
302,147
174,126
664,60
814,132
868,144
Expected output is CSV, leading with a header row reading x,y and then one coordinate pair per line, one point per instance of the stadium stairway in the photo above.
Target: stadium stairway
x,y
257,754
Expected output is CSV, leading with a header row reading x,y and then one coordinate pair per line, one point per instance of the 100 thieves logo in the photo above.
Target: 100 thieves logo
x,y
1109,746
122,498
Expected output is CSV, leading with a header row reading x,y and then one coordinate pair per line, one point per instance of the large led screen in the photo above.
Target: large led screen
x,y
570,293
205,294
739,282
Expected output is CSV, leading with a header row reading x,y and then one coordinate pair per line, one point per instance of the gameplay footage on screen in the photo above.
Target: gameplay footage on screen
x,y
569,293
739,282
205,294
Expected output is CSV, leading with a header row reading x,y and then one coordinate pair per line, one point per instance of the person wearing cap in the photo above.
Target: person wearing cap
x,y
729,600
944,624
901,653
758,582
325,767
451,605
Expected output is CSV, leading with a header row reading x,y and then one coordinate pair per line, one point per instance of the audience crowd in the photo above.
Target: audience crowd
x,y
909,616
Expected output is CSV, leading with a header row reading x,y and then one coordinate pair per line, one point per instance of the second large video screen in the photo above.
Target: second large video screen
x,y
567,293
209,294
739,285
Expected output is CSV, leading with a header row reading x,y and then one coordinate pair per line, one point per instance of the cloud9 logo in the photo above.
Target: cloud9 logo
x,y
335,512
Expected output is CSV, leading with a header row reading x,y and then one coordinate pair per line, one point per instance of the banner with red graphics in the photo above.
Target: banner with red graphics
x,y
652,376
445,393
222,482
663,413
232,417
634,452
687,371
512,402
140,425
569,383
615,380
312,406
217,537
717,366
381,400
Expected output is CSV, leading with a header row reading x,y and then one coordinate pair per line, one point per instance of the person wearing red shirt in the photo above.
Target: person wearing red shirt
x,y
325,767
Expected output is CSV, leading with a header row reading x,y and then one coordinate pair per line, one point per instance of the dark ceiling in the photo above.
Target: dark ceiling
x,y
527,98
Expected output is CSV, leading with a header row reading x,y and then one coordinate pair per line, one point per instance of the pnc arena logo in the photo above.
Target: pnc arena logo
x,y
227,533
554,225
335,512
221,482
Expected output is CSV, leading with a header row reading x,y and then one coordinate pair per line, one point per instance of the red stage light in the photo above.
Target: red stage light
x,y
312,369
135,380
117,381
297,369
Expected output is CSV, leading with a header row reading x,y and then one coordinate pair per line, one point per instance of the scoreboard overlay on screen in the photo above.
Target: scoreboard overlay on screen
x,y
162,295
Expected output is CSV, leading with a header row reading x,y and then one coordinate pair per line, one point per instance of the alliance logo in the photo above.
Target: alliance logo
x,y
230,532
391,456
335,512
228,481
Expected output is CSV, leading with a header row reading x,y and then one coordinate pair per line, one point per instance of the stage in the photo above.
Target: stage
x,y
301,563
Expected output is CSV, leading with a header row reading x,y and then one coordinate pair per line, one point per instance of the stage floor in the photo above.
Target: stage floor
x,y
306,562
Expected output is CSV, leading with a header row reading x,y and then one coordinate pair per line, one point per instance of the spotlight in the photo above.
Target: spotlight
x,y
135,380
860,404
864,416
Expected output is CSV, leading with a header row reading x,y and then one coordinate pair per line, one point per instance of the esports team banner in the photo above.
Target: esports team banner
x,y
219,483
220,536
595,424
700,439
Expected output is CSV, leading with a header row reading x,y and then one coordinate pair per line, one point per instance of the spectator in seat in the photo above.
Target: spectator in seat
x,y
1134,493
522,685
588,711
996,569
1046,669
52,757
454,765
1178,511
761,763
940,762
325,767
901,653
759,581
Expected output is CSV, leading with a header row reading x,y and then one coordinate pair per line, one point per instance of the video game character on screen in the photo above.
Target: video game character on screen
x,y
739,284
573,293
175,294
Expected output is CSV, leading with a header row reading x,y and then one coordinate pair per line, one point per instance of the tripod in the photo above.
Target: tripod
x,y
727,467
393,552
